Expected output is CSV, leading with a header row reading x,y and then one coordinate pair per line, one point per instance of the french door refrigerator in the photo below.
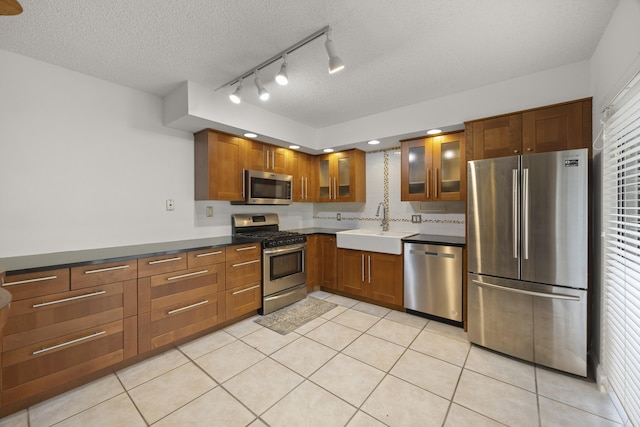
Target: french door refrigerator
x,y
528,257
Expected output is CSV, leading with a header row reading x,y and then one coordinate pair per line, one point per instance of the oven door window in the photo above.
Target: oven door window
x,y
285,265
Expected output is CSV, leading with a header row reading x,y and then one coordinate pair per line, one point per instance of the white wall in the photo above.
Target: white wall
x,y
86,163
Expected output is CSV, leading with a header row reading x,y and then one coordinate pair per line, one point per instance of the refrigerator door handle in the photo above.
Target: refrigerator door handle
x,y
525,213
515,213
523,292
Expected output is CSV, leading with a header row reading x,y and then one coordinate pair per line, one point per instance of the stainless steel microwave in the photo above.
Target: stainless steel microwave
x,y
267,188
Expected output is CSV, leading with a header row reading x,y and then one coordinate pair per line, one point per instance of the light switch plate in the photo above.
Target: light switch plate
x,y
171,204
209,211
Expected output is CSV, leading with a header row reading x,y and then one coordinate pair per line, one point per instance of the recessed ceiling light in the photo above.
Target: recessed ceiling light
x,y
328,150
434,131
294,147
250,135
373,142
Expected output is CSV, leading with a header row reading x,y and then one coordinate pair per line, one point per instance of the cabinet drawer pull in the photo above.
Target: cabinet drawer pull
x,y
58,301
160,261
53,347
209,254
177,310
101,270
245,263
248,248
245,290
182,276
20,282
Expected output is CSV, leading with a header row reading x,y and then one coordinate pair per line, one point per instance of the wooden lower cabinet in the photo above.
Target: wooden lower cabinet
x,y
67,325
321,262
178,304
371,275
49,339
244,279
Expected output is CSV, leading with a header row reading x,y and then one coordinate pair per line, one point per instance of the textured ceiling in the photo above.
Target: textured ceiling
x,y
396,52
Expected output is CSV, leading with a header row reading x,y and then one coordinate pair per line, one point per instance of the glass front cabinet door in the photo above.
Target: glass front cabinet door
x,y
341,177
433,168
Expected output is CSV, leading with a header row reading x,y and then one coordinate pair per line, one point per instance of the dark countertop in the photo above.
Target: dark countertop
x,y
32,263
319,230
436,240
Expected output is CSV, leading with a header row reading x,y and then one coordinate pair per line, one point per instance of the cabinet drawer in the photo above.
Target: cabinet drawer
x,y
30,370
162,264
99,274
243,299
241,253
194,312
43,318
30,285
182,281
205,257
239,273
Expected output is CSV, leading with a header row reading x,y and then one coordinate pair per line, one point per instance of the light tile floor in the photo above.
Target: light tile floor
x,y
357,365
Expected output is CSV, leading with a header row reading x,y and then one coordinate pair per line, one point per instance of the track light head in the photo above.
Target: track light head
x,y
262,92
235,96
282,78
335,63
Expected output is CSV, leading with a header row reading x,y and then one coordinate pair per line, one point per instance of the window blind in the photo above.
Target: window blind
x,y
621,262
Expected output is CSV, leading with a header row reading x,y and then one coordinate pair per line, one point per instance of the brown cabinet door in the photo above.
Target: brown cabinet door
x,y
265,157
219,163
301,167
449,167
553,128
341,177
384,278
497,137
416,168
328,268
311,262
352,271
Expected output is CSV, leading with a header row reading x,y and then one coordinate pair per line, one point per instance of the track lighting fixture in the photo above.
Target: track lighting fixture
x,y
235,96
281,78
262,92
335,64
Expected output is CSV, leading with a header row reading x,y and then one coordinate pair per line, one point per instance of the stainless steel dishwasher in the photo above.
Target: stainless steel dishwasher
x,y
433,280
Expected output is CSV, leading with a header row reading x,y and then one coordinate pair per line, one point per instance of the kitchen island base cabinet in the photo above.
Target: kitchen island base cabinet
x,y
373,276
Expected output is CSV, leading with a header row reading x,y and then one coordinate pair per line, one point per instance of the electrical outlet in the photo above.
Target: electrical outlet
x,y
209,211
416,219
171,204
338,217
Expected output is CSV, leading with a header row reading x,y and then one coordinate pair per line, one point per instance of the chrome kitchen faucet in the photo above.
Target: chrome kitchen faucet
x,y
385,220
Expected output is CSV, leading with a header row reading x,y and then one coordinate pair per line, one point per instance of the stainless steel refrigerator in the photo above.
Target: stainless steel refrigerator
x,y
528,257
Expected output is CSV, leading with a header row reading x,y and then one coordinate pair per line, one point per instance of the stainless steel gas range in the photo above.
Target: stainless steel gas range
x,y
284,279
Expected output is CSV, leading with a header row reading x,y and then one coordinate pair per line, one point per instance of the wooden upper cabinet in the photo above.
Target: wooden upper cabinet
x,y
342,177
434,168
219,163
553,128
497,137
302,167
266,158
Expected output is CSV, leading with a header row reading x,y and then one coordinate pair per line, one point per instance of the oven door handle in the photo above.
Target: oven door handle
x,y
284,249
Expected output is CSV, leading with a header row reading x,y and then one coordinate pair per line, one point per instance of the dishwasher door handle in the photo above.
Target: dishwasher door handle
x,y
436,254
